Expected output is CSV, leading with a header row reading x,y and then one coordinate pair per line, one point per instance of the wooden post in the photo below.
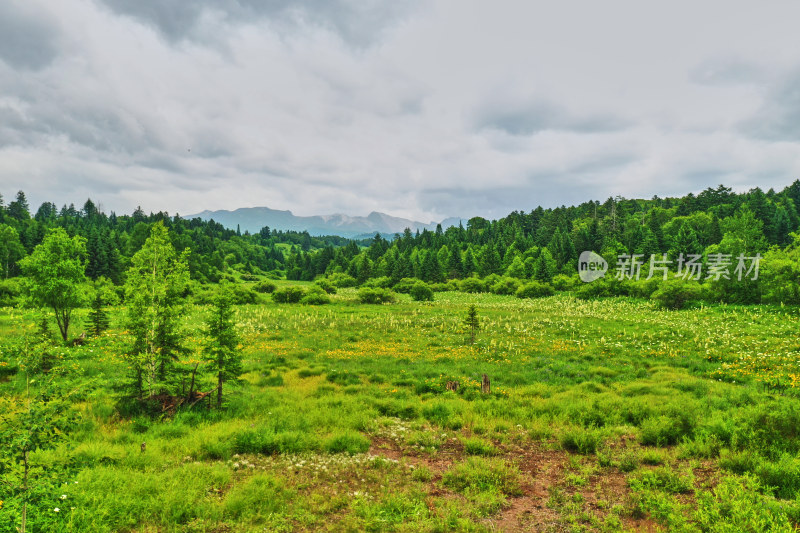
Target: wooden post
x,y
486,385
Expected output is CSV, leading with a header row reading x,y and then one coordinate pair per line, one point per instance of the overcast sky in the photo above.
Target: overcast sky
x,y
423,109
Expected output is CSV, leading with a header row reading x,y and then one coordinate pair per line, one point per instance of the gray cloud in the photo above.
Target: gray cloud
x,y
778,119
357,22
417,109
28,39
727,71
539,116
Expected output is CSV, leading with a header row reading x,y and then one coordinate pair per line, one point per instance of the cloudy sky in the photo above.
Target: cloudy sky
x,y
419,108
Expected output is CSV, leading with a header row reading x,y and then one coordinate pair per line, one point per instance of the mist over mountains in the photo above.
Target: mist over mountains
x,y
252,219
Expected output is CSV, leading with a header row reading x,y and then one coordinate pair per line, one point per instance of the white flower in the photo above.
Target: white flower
x,y
63,496
56,509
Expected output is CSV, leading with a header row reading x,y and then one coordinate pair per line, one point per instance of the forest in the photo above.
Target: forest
x,y
540,247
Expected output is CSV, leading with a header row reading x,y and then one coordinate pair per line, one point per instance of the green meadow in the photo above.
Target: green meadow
x,y
603,415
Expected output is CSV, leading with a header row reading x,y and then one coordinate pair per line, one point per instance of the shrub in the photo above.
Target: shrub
x,y
367,295
420,292
316,296
326,286
441,287
242,295
565,283
341,280
265,287
404,285
676,293
535,289
288,295
506,286
10,291
472,285
383,282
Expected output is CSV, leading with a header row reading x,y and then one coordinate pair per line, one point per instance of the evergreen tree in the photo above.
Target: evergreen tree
x,y
545,267
153,293
472,322
98,317
221,350
455,267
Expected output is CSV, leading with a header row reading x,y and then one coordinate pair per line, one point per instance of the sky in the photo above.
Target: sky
x,y
418,108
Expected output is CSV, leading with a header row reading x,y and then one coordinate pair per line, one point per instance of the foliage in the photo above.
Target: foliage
x,y
288,295
54,272
421,292
676,293
221,349
153,292
472,322
316,296
535,289
367,295
265,287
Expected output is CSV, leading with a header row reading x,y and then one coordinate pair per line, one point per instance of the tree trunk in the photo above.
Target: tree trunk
x,y
219,390
191,387
486,385
25,492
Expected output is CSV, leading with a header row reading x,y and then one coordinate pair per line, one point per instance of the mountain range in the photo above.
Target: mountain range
x,y
252,219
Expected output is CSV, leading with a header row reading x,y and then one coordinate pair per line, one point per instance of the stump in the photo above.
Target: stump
x,y
486,385
452,385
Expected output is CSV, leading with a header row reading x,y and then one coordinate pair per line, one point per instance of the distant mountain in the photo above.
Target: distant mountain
x,y
252,219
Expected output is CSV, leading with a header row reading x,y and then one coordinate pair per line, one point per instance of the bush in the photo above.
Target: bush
x,y
535,289
10,291
367,295
243,295
676,293
383,282
472,285
420,292
316,296
506,286
288,295
326,286
405,284
274,274
341,280
565,283
265,287
441,287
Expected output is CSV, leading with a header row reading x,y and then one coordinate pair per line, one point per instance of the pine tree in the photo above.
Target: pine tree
x,y
222,347
471,321
98,317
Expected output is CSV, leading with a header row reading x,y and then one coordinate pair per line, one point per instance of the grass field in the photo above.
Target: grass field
x,y
603,415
